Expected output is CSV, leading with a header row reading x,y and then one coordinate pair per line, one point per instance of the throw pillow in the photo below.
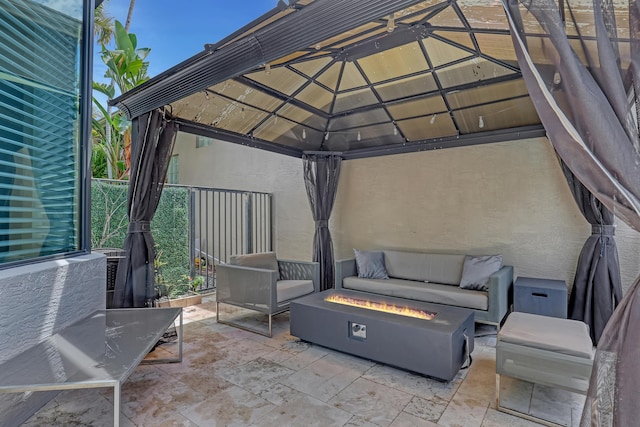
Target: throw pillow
x,y
476,271
370,265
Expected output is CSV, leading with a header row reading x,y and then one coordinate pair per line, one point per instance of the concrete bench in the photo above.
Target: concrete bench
x,y
544,350
100,350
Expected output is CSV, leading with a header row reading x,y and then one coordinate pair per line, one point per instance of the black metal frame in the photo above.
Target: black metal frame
x,y
513,134
266,45
86,107
244,51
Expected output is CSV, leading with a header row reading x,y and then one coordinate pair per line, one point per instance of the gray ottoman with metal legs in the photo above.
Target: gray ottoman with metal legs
x,y
544,350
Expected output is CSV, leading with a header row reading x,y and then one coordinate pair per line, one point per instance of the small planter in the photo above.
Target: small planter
x,y
192,298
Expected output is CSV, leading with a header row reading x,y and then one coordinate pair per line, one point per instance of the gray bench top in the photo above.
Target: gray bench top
x,y
100,350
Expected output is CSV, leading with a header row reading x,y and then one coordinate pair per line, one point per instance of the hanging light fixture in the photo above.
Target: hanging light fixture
x,y
432,120
326,136
391,23
359,136
480,122
556,78
395,130
304,133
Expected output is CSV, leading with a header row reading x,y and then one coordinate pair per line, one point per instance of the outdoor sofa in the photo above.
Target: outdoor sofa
x,y
447,279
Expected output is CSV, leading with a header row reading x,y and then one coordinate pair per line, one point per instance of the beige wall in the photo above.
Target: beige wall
x,y
508,198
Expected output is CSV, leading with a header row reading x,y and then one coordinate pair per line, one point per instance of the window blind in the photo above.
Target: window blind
x,y
39,130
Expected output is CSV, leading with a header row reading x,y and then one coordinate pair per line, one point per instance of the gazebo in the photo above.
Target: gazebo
x,y
330,81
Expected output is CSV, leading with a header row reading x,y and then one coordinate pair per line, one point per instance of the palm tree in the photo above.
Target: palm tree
x,y
126,69
127,23
102,25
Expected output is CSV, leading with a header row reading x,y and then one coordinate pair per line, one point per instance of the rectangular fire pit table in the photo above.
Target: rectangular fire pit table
x,y
436,348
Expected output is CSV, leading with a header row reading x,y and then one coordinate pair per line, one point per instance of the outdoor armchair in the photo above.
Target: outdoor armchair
x,y
260,282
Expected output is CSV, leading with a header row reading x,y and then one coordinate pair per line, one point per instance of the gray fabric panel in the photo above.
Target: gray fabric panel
x,y
420,291
152,138
548,333
597,286
321,176
265,260
289,289
438,268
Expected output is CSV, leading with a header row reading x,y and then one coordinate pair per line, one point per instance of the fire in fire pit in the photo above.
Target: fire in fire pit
x,y
381,306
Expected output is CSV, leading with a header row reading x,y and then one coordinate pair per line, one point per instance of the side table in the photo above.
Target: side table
x,y
545,297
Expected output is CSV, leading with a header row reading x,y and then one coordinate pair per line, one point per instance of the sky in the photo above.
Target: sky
x,y
177,30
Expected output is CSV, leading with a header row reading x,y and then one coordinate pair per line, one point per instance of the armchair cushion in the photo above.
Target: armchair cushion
x,y
264,260
289,289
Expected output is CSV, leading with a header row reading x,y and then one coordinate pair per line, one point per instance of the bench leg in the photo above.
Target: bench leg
x,y
176,359
497,390
116,405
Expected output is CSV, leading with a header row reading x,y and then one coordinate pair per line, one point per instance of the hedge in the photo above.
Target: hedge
x,y
170,225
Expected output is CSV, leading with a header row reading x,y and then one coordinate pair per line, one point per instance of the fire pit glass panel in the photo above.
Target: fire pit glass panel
x,y
381,306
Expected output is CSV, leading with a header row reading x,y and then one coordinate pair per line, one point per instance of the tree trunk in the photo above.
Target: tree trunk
x,y
127,23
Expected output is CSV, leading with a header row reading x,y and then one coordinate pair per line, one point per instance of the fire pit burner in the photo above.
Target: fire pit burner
x,y
381,306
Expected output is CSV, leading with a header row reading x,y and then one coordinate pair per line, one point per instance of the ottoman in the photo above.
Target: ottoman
x,y
544,350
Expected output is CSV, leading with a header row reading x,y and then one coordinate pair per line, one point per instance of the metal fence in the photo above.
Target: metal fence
x,y
221,223
224,223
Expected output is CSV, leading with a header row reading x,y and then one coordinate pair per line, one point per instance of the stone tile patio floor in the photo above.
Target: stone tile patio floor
x,y
230,377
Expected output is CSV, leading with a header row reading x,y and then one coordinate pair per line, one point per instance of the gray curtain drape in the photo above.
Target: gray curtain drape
x,y
589,114
597,288
153,136
321,175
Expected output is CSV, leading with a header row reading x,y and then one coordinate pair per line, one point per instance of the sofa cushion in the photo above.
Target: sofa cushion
x,y
264,260
564,336
424,267
476,271
289,289
370,265
420,291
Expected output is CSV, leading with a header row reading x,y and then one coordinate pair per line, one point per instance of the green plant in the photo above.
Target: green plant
x,y
197,282
183,286
111,132
158,263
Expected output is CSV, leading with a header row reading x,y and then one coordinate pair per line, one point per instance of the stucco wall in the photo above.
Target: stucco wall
x,y
509,198
36,301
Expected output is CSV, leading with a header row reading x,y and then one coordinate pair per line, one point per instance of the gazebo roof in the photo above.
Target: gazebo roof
x,y
362,78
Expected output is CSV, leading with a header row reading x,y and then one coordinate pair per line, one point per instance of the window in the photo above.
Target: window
x,y
174,169
202,141
41,125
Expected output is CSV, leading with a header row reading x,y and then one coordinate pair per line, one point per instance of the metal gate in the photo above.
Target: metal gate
x,y
225,223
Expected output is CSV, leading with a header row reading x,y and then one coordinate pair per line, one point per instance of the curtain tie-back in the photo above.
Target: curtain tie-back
x,y
322,223
605,230
139,227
